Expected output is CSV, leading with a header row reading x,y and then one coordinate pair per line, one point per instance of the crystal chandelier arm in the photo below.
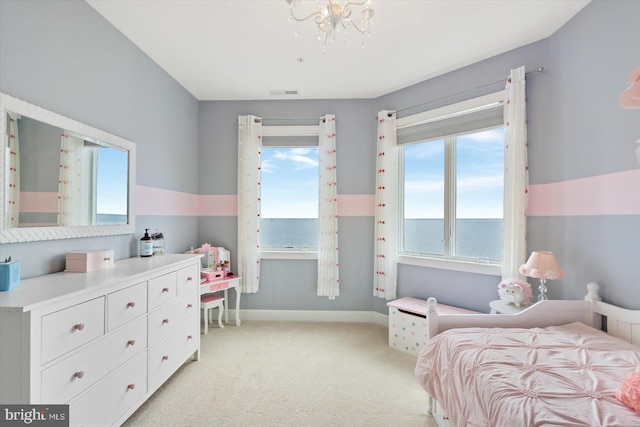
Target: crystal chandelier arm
x,y
347,13
317,14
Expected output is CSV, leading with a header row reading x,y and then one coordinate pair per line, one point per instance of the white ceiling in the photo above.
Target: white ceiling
x,y
243,49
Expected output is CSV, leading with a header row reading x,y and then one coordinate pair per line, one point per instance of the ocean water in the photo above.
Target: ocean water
x,y
110,219
477,238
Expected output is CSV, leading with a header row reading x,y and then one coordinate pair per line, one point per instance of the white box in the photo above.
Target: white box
x,y
82,262
408,328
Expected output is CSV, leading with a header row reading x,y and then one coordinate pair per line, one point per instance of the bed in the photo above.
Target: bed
x,y
549,365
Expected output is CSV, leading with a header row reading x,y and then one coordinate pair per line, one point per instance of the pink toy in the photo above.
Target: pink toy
x,y
515,292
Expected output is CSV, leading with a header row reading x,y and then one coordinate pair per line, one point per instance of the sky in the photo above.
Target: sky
x,y
112,180
479,162
289,183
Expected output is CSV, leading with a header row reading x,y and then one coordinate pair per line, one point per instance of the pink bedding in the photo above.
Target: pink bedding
x,y
555,376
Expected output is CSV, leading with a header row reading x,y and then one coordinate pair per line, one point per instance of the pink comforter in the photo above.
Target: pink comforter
x,y
556,376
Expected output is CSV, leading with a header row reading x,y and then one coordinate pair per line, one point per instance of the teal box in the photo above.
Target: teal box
x,y
9,275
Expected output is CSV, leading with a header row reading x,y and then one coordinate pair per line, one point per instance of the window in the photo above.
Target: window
x,y
289,189
453,189
452,179
111,177
289,198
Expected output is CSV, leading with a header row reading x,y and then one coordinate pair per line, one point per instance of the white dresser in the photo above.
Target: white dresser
x,y
101,341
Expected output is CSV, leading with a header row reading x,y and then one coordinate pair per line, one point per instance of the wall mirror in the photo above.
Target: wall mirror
x,y
60,178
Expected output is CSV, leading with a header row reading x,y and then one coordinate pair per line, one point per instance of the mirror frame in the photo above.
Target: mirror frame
x,y
33,234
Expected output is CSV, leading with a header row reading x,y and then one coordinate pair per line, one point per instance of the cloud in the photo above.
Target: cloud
x,y
302,209
267,166
480,182
423,186
490,135
473,183
299,156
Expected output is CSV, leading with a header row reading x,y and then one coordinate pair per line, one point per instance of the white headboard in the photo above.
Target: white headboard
x,y
620,322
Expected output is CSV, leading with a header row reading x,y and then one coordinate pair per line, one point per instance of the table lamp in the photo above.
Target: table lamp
x,y
542,265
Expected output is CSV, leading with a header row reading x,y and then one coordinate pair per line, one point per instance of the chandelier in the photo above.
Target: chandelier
x,y
333,16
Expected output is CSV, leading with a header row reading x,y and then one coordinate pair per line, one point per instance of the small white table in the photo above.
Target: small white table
x,y
224,284
501,307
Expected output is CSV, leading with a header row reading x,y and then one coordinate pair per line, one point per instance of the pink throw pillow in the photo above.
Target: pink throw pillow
x,y
629,393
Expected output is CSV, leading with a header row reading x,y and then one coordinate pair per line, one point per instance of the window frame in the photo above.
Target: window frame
x,y
446,261
275,252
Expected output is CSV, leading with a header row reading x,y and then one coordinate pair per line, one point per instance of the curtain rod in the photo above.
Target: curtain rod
x,y
537,70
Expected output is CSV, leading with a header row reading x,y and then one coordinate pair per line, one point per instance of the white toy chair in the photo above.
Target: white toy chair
x,y
209,302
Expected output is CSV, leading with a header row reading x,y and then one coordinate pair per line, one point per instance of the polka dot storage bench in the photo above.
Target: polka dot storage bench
x,y
408,323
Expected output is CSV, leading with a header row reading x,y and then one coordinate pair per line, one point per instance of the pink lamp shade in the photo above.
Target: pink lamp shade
x,y
542,265
630,97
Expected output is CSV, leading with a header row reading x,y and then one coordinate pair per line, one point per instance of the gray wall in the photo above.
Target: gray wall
x,y
586,134
63,56
291,284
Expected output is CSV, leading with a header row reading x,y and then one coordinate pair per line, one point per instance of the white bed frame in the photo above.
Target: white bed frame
x,y
620,322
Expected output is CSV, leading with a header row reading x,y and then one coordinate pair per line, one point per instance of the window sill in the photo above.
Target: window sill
x,y
448,264
273,254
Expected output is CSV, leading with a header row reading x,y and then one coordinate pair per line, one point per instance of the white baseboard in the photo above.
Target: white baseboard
x,y
312,316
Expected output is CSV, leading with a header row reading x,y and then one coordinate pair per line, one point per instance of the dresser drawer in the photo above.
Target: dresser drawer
x,y
167,318
162,290
126,305
104,404
168,354
188,278
72,327
67,378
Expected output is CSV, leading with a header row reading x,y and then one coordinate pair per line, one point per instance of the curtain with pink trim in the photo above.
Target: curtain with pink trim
x,y
249,163
13,173
516,176
70,209
328,263
386,208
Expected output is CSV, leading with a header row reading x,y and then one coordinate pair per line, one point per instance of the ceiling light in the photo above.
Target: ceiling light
x,y
333,16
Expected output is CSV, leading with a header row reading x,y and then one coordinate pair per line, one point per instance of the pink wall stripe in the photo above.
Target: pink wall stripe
x,y
155,201
356,204
38,202
218,205
610,194
159,202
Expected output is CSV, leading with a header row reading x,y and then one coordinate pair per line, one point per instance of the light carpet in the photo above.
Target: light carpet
x,y
291,374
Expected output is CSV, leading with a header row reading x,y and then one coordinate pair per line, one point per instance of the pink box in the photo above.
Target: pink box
x,y
82,262
209,274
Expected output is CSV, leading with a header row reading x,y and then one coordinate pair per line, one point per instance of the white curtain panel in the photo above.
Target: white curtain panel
x,y
70,181
13,173
516,177
249,151
386,208
328,265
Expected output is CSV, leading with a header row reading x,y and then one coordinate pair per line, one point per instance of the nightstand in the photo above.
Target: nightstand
x,y
501,307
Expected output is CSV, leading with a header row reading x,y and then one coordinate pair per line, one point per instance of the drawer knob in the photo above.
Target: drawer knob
x,y
164,290
131,386
131,304
189,279
189,305
165,357
190,337
165,321
79,374
131,342
78,326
